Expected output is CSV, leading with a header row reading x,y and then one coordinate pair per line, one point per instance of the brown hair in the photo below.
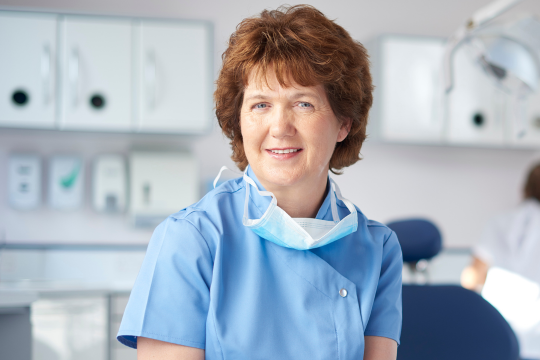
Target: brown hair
x,y
301,44
532,186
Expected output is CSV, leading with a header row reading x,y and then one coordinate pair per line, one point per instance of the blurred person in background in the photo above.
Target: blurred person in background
x,y
506,267
511,240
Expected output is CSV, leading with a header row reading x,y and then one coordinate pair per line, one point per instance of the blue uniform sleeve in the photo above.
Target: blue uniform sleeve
x,y
170,298
386,316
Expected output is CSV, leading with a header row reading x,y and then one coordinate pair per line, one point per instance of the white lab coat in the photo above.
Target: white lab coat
x,y
511,241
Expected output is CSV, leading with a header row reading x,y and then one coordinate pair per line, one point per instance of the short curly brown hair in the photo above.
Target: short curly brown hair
x,y
302,44
532,186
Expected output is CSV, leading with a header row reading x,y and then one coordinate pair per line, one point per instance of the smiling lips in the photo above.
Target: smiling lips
x,y
283,154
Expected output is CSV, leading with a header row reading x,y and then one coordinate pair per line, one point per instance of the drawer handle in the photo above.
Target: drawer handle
x,y
150,75
74,77
46,74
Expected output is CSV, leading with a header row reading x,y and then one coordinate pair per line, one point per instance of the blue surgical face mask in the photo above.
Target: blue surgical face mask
x,y
300,233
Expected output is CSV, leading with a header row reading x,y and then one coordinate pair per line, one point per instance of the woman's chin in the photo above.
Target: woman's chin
x,y
282,177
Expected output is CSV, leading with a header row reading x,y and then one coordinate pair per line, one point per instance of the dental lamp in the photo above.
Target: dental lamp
x,y
509,53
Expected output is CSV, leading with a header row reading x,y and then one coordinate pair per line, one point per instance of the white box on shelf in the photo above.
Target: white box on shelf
x,y
162,183
24,184
109,184
66,182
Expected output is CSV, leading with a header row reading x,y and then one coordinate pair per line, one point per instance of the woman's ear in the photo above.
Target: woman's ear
x,y
344,129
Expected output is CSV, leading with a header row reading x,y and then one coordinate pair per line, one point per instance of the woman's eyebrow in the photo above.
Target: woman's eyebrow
x,y
300,95
257,96
291,97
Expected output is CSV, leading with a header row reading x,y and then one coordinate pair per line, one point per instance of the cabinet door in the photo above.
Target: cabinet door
x,y
410,91
174,77
96,74
531,138
477,109
27,70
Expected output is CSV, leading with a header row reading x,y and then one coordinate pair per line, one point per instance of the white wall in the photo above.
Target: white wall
x,y
459,188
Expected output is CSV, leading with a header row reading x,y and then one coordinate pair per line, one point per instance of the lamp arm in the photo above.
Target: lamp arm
x,y
459,36
480,17
490,11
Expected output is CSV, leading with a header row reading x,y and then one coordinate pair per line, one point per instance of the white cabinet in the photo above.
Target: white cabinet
x,y
532,122
408,99
113,74
174,77
410,104
27,69
477,109
96,74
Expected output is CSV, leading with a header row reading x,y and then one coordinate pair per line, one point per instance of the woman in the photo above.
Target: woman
x,y
276,264
511,241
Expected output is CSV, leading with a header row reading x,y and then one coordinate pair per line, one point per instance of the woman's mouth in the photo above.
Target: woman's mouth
x,y
283,154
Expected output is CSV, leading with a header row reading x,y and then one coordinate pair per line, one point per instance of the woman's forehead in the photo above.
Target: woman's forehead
x,y
268,82
286,75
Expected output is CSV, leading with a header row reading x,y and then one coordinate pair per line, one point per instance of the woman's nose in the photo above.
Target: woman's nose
x,y
282,123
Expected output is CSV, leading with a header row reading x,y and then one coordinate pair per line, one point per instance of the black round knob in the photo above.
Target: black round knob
x,y
97,101
479,119
20,97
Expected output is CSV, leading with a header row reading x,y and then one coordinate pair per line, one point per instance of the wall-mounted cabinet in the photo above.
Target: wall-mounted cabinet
x,y
28,70
407,101
96,73
476,107
410,105
105,74
174,76
532,122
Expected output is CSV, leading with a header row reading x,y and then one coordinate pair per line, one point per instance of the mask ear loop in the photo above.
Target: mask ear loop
x,y
333,204
219,175
347,203
246,204
249,182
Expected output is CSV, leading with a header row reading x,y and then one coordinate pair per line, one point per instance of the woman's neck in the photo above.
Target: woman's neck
x,y
301,200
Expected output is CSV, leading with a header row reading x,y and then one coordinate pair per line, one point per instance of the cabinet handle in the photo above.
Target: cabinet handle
x,y
519,115
150,77
46,73
74,76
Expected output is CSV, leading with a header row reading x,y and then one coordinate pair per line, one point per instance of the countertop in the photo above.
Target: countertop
x,y
22,293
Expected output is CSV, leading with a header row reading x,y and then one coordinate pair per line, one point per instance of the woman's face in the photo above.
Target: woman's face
x,y
289,133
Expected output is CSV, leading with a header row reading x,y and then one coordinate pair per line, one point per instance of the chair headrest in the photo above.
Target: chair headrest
x,y
419,239
448,322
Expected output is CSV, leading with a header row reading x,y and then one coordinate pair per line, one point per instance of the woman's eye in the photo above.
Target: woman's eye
x,y
305,105
260,106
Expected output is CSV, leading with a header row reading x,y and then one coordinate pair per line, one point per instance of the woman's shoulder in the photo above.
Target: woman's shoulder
x,y
207,217
214,202
379,233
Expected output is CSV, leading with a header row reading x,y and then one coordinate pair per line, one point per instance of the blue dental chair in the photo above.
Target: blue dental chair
x,y
420,241
446,322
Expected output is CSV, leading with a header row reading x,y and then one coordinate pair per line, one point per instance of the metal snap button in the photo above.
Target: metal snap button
x,y
343,292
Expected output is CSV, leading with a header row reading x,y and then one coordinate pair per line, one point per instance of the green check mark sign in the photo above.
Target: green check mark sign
x,y
68,181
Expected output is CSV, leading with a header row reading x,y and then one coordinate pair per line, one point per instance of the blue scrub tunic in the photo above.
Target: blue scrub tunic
x,y
211,283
